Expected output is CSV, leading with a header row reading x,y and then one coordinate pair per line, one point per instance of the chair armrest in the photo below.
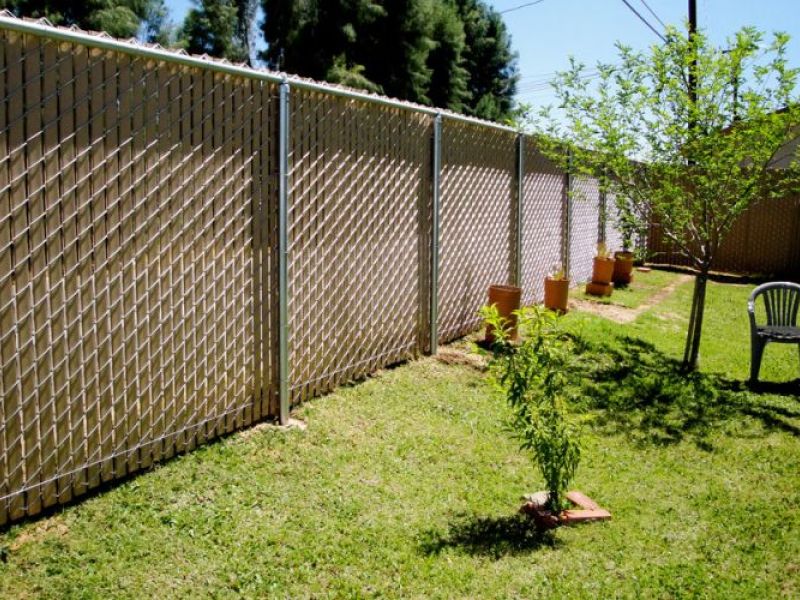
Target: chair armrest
x,y
751,312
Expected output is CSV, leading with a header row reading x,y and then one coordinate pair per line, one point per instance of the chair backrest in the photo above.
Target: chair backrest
x,y
782,301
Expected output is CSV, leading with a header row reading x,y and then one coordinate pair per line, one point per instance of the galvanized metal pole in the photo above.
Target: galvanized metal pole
x,y
603,217
519,215
567,216
283,255
437,168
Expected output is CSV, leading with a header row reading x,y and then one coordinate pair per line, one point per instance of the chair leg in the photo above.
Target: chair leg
x,y
756,352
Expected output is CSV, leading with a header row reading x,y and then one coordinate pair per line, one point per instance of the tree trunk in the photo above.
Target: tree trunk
x,y
692,349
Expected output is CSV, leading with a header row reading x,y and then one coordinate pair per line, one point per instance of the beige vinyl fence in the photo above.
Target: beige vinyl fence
x,y
150,204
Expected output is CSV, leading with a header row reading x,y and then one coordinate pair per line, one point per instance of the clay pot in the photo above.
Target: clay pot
x,y
602,270
556,293
599,289
623,267
507,299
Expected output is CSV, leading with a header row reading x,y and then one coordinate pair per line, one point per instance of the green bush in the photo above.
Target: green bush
x,y
532,374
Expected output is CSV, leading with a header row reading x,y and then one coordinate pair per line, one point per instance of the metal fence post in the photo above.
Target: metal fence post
x,y
566,233
434,295
283,239
519,211
603,220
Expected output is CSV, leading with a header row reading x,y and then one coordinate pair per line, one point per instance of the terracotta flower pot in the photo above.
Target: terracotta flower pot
x,y
623,267
556,292
602,269
507,299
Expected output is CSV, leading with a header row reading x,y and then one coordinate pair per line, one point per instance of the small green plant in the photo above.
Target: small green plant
x,y
532,373
557,273
602,250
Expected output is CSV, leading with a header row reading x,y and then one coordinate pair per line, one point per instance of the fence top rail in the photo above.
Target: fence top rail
x,y
43,28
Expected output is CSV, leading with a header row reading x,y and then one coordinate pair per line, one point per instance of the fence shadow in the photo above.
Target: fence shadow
x,y
494,537
633,389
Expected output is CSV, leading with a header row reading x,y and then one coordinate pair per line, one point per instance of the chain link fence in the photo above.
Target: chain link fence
x,y
188,246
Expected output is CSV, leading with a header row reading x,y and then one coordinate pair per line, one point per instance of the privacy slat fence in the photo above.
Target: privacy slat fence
x,y
763,240
149,206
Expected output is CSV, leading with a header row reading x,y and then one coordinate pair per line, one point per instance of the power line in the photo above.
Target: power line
x,y
652,12
645,21
508,10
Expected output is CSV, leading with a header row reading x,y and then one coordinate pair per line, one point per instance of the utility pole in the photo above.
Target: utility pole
x,y
693,66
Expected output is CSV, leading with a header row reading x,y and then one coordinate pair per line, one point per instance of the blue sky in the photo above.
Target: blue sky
x,y
546,34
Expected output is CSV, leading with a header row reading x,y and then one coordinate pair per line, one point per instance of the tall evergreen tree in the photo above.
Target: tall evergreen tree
x,y
394,49
451,53
119,18
245,23
211,28
449,78
489,59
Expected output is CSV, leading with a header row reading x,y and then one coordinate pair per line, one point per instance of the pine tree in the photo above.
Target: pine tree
x,y
489,60
210,28
119,18
449,78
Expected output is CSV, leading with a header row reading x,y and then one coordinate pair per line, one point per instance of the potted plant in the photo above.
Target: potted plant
x,y
603,265
556,290
623,259
507,299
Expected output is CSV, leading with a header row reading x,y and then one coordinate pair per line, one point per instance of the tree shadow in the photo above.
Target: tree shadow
x,y
633,389
494,537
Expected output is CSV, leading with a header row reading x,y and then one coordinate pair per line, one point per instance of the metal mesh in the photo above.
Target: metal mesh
x,y
127,190
359,199
542,222
476,227
613,232
584,228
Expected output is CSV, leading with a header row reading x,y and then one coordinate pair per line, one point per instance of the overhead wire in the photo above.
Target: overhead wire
x,y
513,8
643,20
652,12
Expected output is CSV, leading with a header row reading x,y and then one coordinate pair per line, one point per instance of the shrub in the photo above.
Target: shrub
x,y
532,374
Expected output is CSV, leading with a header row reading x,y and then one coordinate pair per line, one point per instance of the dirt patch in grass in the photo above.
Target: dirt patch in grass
x,y
622,314
460,355
52,527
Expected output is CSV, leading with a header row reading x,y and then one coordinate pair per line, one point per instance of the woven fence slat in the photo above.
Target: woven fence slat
x,y
53,298
6,283
14,339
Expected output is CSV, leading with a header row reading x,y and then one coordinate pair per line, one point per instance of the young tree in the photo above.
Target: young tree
x,y
690,159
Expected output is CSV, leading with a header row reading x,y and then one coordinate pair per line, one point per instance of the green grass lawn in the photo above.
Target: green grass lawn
x,y
407,485
644,285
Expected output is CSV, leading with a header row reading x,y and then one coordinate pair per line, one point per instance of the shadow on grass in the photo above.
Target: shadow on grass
x,y
489,536
633,389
